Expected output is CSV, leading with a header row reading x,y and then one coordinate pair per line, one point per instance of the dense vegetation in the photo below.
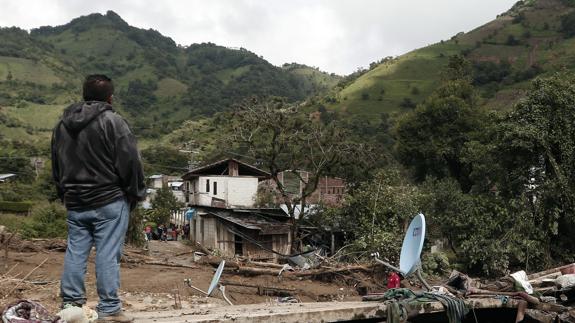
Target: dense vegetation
x,y
498,187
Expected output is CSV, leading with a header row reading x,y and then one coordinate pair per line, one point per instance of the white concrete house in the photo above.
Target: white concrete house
x,y
227,184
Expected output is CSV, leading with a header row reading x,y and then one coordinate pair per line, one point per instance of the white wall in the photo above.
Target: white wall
x,y
242,191
236,191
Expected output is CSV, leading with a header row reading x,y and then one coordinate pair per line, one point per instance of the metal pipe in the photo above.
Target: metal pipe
x,y
188,282
388,265
223,290
420,277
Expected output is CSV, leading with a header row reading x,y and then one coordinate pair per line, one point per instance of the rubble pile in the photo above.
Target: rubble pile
x,y
547,296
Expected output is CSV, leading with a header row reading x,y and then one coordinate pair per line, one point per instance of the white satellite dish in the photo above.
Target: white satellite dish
x,y
215,282
216,278
409,259
412,246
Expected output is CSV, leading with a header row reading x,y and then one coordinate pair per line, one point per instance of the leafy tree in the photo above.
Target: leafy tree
x,y
458,69
139,96
568,24
407,103
536,148
376,214
487,72
164,204
489,234
430,139
162,159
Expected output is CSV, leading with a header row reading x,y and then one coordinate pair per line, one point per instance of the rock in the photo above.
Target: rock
x,y
565,281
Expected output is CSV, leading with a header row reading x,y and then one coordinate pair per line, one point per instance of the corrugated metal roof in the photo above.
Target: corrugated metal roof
x,y
253,221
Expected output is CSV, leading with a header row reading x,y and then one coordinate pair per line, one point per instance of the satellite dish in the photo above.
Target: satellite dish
x,y
412,246
216,278
409,259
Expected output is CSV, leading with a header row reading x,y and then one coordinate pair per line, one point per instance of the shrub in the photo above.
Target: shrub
x,y
48,220
16,207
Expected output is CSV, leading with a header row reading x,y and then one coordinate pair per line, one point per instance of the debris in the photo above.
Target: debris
x,y
566,281
28,311
264,290
549,271
74,314
177,298
288,299
521,278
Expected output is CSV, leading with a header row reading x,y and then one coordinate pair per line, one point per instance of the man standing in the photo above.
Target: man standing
x,y
98,175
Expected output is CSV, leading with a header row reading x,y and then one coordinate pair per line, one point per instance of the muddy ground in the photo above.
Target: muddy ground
x,y
147,287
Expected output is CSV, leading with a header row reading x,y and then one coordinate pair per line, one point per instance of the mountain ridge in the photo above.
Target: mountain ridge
x,y
159,83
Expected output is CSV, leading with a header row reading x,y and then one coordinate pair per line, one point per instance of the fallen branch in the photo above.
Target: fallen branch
x,y
251,271
264,264
168,264
184,253
24,279
547,272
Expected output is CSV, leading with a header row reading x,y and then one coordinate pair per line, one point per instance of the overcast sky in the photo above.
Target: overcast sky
x,y
335,35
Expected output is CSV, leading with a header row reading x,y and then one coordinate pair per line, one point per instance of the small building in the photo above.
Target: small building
x,y
177,188
224,195
7,177
329,191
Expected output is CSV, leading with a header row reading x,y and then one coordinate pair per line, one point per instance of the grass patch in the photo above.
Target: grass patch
x,y
169,87
37,115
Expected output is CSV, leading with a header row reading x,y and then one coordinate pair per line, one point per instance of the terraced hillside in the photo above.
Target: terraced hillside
x,y
531,39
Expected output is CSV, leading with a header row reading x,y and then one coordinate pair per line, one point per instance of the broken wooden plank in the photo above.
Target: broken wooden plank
x,y
547,272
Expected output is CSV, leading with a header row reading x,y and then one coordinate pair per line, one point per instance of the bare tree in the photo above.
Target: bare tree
x,y
285,140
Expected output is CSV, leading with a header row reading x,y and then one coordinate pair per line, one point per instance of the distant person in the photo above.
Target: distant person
x,y
175,232
148,231
160,231
165,233
98,175
186,234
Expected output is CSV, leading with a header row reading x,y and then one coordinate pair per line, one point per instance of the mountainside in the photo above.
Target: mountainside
x,y
158,83
533,38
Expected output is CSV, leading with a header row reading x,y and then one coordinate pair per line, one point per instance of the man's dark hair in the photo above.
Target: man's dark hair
x,y
97,87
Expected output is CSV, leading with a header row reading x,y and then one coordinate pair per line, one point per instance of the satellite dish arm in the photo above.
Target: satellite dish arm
x,y
420,277
386,264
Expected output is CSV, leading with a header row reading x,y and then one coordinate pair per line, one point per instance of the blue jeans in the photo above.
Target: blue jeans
x,y
104,227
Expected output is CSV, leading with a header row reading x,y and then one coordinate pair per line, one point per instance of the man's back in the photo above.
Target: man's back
x,y
95,157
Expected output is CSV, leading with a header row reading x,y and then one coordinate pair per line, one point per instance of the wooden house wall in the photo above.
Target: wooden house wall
x,y
226,240
213,233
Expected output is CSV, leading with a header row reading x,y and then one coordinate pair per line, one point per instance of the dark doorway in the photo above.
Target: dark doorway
x,y
238,245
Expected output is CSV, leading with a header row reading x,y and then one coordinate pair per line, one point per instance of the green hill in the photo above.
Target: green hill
x,y
530,39
159,84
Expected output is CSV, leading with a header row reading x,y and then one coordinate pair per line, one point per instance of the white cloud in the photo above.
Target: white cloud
x,y
335,35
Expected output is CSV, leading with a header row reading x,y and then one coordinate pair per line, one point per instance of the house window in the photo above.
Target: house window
x,y
207,185
215,188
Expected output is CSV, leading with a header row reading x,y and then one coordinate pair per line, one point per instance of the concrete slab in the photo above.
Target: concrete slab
x,y
301,312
